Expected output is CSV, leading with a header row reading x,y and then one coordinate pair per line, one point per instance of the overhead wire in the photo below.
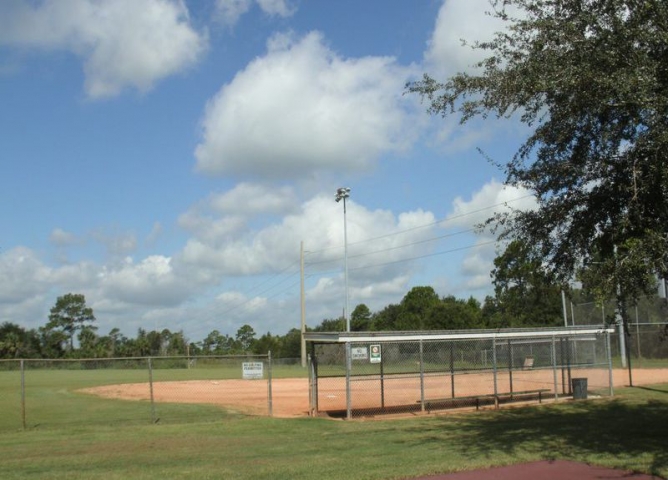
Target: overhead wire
x,y
426,225
253,288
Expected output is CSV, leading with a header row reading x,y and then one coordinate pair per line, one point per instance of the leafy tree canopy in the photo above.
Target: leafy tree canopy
x,y
69,315
245,337
360,319
525,293
590,79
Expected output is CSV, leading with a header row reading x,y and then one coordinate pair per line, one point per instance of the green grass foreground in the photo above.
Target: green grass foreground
x,y
628,432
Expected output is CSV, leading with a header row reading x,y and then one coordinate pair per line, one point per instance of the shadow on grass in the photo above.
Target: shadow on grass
x,y
649,389
628,434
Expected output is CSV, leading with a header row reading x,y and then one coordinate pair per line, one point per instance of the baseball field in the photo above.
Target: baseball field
x,y
88,434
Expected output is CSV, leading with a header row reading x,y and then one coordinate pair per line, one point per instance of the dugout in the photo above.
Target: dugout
x,y
357,374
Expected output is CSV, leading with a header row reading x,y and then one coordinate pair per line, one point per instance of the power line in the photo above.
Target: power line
x,y
444,220
432,239
409,259
311,252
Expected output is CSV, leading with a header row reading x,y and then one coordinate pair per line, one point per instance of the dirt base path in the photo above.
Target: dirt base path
x,y
290,395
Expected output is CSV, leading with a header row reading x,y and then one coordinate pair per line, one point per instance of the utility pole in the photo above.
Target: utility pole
x,y
563,305
303,303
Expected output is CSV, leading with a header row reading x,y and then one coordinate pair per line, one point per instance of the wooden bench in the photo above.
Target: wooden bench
x,y
477,400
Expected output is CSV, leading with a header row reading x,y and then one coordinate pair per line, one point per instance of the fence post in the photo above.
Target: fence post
x,y
608,352
269,391
452,368
382,381
510,366
316,380
23,394
569,343
311,404
348,369
554,366
150,383
421,375
494,365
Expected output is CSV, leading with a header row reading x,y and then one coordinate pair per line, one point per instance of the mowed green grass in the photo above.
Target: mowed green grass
x,y
71,441
53,397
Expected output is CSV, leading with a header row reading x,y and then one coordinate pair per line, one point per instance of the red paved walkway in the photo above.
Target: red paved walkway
x,y
555,470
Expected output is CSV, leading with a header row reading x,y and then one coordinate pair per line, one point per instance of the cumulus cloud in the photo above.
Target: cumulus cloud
x,y
154,234
123,43
459,20
222,217
301,109
493,197
251,199
157,289
61,238
153,281
229,11
281,8
476,268
22,275
376,239
116,243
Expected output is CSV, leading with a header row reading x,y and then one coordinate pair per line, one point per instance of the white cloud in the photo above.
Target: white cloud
x,y
22,275
162,291
477,266
493,197
281,8
301,109
459,20
319,223
250,199
230,11
116,243
153,281
124,43
154,234
61,238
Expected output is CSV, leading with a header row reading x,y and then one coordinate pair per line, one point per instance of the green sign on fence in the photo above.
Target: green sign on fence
x,y
375,354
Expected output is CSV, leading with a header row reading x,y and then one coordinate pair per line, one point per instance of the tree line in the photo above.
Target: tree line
x,y
525,295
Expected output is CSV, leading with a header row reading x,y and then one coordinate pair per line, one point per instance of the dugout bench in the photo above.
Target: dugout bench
x,y
482,400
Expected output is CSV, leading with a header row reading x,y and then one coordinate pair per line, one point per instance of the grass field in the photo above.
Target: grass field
x,y
628,431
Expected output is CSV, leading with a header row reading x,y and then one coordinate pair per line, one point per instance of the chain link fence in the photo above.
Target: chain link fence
x,y
647,340
42,393
647,345
362,378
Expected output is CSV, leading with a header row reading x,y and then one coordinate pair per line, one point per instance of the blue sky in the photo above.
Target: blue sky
x,y
167,158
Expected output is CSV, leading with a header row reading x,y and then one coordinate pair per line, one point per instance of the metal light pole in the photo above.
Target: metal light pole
x,y
341,194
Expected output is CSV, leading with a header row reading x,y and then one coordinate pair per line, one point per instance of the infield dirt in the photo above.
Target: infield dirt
x,y
290,396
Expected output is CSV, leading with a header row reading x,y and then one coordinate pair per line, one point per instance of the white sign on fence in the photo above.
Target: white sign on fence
x,y
358,353
252,370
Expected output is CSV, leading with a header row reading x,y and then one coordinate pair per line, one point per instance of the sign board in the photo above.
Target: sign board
x,y
375,354
252,370
359,353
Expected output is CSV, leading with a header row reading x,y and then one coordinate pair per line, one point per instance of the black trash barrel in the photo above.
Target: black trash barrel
x,y
579,388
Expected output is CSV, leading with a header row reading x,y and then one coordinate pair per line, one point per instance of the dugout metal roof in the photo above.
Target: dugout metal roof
x,y
505,333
